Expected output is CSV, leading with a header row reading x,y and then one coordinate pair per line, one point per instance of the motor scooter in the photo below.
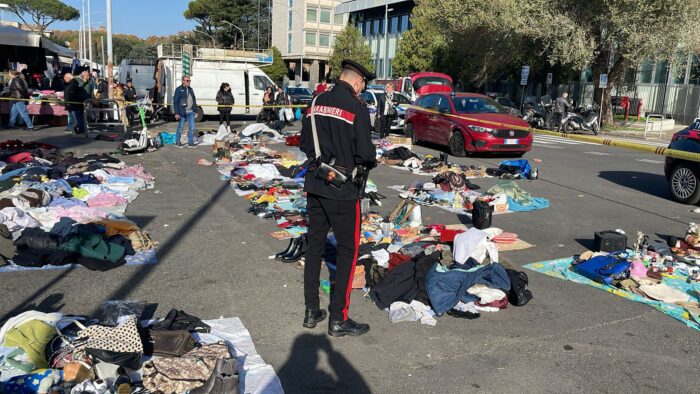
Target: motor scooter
x,y
584,118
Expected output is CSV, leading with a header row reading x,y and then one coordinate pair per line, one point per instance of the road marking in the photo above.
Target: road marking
x,y
560,140
641,142
550,147
598,153
650,161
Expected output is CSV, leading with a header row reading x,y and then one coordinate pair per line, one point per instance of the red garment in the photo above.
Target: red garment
x,y
248,177
22,157
449,235
293,140
500,304
320,88
396,259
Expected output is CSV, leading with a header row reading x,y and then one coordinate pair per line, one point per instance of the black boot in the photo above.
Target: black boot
x,y
292,245
313,317
348,327
223,379
297,252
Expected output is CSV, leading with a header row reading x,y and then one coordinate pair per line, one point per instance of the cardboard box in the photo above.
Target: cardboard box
x,y
400,140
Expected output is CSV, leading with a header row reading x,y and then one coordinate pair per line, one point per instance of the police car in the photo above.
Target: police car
x,y
373,94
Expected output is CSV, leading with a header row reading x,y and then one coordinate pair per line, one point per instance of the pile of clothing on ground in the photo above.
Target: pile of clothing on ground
x,y
57,209
402,158
454,192
119,353
664,274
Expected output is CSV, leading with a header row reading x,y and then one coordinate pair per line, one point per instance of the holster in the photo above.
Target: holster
x,y
330,173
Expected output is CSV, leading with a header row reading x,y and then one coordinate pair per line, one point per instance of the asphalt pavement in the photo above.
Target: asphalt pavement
x,y
214,261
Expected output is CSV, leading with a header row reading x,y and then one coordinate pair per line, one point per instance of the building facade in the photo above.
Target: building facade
x,y
304,31
381,22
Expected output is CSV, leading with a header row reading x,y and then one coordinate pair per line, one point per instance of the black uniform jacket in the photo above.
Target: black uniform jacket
x,y
344,132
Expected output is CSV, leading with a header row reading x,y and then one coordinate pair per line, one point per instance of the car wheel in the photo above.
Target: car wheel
x,y
410,133
198,115
684,183
456,144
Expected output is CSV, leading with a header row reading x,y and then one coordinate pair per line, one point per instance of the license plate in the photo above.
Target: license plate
x,y
512,141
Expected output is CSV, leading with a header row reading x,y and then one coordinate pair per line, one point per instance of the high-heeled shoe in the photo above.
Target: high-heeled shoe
x,y
292,244
297,252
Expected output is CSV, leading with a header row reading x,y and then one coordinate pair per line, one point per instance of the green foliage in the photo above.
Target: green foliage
x,y
212,15
277,70
349,44
42,12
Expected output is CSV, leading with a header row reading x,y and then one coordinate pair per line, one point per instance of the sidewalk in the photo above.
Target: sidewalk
x,y
637,131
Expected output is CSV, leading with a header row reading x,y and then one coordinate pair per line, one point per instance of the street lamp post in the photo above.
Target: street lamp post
x,y
386,38
90,35
239,29
206,34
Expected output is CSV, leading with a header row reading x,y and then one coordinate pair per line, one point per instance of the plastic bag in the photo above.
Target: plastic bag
x,y
113,310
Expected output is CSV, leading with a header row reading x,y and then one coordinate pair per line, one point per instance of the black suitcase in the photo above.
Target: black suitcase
x,y
609,241
481,214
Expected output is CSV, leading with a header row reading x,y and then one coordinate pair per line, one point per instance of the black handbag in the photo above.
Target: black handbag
x,y
327,172
392,112
481,214
168,343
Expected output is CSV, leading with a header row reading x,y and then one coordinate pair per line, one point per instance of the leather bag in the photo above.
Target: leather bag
x,y
168,343
120,345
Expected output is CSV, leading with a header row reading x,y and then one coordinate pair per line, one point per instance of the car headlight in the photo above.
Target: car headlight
x,y
479,129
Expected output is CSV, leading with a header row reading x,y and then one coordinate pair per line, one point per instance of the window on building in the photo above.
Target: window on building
x,y
289,42
661,72
381,27
338,19
389,71
311,38
324,40
403,23
380,67
365,31
394,25
291,3
375,27
325,16
694,71
311,14
290,20
645,72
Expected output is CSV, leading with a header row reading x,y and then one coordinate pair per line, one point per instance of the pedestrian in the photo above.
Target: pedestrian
x,y
130,99
75,95
268,100
337,130
283,100
386,111
72,125
561,106
184,104
19,90
224,98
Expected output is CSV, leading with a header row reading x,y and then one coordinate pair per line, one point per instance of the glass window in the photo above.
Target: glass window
x,y
695,71
381,27
290,20
289,43
646,71
427,101
325,16
375,27
401,99
323,40
443,104
365,32
338,19
310,38
473,105
261,82
403,23
661,72
394,25
311,14
367,97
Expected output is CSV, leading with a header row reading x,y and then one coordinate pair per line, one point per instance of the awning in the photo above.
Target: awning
x,y
12,36
52,47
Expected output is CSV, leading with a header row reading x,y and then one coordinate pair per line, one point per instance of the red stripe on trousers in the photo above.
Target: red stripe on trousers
x,y
354,260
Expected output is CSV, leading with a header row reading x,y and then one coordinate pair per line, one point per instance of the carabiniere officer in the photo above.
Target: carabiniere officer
x,y
343,128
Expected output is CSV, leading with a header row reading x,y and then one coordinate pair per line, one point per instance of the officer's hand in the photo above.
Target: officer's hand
x,y
177,117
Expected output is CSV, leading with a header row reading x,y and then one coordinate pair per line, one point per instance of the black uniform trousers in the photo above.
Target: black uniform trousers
x,y
344,217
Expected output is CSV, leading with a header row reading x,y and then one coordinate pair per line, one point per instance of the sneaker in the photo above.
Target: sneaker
x,y
313,317
179,146
191,145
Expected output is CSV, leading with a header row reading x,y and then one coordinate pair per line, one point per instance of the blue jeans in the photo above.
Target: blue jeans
x,y
190,133
20,108
79,119
72,122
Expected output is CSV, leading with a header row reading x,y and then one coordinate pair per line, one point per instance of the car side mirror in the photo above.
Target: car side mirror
x,y
444,110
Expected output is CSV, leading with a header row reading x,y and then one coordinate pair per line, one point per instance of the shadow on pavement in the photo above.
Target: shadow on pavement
x,y
301,373
51,303
653,184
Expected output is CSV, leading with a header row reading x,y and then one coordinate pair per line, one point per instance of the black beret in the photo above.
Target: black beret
x,y
358,68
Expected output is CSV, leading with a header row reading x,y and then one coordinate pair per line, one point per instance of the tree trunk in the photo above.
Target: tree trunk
x,y
600,66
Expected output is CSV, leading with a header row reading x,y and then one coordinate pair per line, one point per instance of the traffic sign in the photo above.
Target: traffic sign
x,y
603,81
185,63
549,78
524,73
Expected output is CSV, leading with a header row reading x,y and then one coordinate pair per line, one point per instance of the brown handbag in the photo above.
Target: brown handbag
x,y
169,343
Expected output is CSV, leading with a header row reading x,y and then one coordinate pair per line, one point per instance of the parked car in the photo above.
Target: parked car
x,y
510,105
299,95
467,123
683,176
371,96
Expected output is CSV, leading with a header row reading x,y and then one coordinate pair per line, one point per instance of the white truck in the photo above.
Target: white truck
x,y
208,69
140,72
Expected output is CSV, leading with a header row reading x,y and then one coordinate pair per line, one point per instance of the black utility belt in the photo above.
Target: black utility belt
x,y
334,175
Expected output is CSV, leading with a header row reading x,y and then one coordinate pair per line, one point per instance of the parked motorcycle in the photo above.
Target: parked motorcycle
x,y
539,115
583,118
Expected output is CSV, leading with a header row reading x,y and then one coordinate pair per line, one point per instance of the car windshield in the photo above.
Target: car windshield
x,y
474,105
299,91
420,82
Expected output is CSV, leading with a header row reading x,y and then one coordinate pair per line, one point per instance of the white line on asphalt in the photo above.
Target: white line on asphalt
x,y
551,138
550,147
544,142
651,161
598,153
641,142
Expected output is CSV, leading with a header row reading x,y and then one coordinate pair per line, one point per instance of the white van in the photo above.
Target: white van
x,y
209,68
140,72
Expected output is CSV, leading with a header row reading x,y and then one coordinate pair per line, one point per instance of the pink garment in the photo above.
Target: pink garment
x,y
106,200
80,214
136,171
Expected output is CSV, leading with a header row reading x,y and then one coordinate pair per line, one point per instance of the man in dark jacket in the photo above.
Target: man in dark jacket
x,y
184,105
75,95
130,98
19,90
561,105
344,141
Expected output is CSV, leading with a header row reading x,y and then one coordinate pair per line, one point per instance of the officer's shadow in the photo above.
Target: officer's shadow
x,y
306,371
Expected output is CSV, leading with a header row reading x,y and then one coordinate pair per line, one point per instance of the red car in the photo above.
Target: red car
x,y
467,123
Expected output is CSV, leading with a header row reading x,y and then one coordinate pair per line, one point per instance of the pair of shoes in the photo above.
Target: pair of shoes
x,y
295,250
223,379
340,328
179,145
191,145
463,315
313,317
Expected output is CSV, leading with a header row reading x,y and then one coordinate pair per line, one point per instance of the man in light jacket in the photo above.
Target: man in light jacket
x,y
184,104
19,90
